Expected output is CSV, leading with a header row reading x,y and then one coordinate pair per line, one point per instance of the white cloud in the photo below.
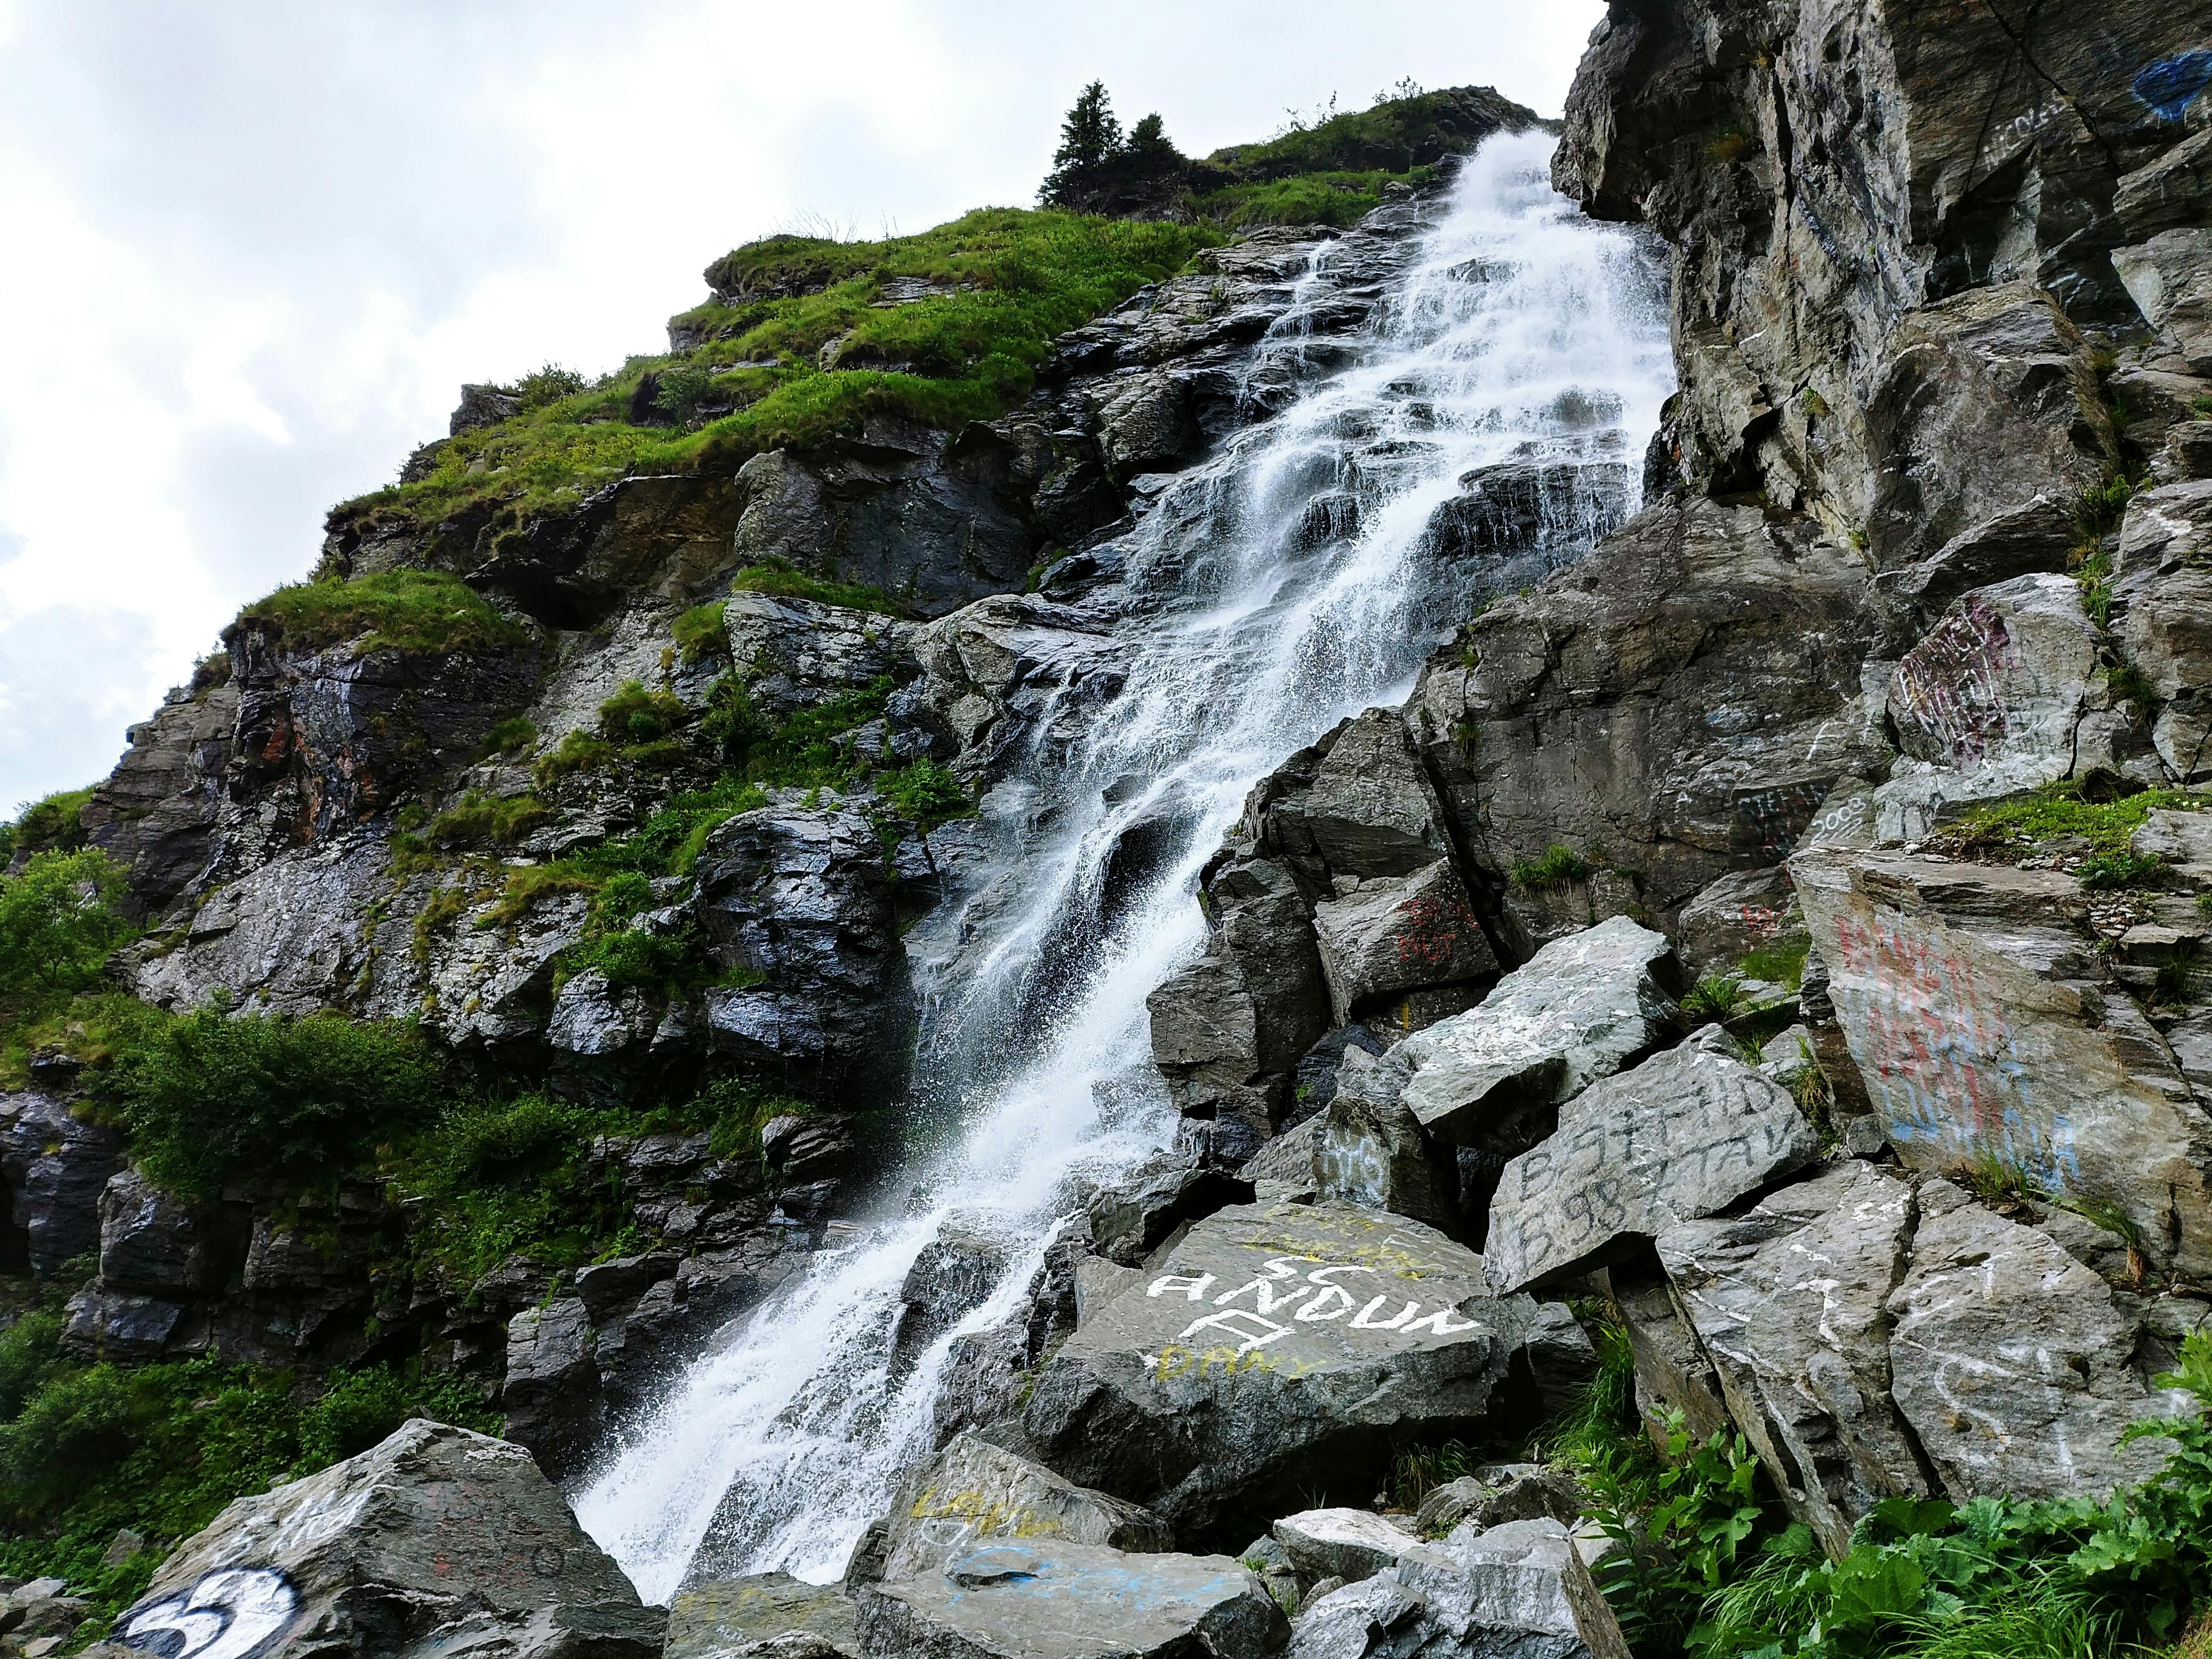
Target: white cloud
x,y
256,247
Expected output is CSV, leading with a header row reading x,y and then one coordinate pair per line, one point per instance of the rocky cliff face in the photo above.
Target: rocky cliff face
x,y
1817,872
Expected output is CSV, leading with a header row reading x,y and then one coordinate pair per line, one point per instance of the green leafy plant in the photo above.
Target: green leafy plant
x,y
211,1099
58,925
1556,867
1713,998
54,824
926,793
1777,964
2103,871
515,735
698,631
780,579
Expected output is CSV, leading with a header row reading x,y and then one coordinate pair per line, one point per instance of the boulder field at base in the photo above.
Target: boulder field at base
x,y
1726,1062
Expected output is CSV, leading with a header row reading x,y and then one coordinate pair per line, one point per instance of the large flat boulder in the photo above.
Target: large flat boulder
x,y
769,1615
1980,1017
1279,1350
1394,934
1578,1010
437,1539
1052,1599
1683,1135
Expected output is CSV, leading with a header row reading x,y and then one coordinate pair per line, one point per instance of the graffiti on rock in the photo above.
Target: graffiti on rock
x,y
1282,1299
238,1612
1951,685
1940,1058
1433,931
2171,85
1768,822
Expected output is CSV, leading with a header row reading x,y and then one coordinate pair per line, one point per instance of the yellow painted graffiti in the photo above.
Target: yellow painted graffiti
x,y
1174,1360
991,1517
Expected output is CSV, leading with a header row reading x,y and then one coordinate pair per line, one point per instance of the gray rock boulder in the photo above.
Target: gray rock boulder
x,y
976,1494
1744,911
1371,809
1519,1588
2022,541
1278,1349
1008,670
2169,277
1392,934
1683,1135
1368,1150
1579,1009
797,654
2011,1362
1981,1020
1500,1493
1347,1545
551,1392
438,1541
1054,1599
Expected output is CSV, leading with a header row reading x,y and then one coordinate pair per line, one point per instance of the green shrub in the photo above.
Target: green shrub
x,y
479,819
1557,867
162,1448
1778,964
634,715
577,751
419,610
547,386
211,1099
58,926
1714,997
926,793
2056,812
515,735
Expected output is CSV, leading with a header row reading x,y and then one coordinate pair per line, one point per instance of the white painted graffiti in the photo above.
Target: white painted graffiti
x,y
235,1613
1314,1298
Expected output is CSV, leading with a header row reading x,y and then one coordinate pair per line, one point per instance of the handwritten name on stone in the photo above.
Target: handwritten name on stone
x,y
1681,1136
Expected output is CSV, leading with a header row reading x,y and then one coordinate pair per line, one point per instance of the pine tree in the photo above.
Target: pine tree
x,y
1089,134
1150,136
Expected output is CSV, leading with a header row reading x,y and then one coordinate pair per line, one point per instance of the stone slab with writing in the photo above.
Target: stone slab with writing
x,y
1578,1010
1275,1356
1987,1029
433,1530
1685,1135
1049,1598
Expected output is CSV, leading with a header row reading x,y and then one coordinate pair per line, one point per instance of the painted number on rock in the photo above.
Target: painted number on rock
x,y
235,1613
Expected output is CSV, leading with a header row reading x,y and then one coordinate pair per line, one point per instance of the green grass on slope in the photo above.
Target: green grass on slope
x,y
798,369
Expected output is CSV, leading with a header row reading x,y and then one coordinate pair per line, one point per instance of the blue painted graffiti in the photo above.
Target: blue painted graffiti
x,y
2171,85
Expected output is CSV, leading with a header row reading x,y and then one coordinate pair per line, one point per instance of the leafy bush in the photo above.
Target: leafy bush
x,y
479,819
421,611
210,1099
1557,867
1714,997
634,715
57,925
926,793
515,735
547,386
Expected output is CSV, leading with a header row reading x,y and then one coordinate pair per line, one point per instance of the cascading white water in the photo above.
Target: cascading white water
x,y
1286,583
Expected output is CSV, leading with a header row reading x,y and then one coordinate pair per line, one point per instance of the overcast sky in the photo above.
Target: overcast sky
x,y
253,248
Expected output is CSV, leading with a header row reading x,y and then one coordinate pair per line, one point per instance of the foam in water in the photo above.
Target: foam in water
x,y
1286,583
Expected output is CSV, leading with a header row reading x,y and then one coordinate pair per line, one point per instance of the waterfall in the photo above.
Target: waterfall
x,y
1295,577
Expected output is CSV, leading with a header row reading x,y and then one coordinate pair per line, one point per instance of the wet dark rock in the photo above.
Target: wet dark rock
x,y
767,1615
53,1168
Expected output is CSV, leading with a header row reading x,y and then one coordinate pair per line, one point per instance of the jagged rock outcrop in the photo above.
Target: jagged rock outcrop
x,y
53,1167
1823,174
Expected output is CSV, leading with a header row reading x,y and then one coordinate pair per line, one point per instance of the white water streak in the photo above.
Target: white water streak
x,y
1512,330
